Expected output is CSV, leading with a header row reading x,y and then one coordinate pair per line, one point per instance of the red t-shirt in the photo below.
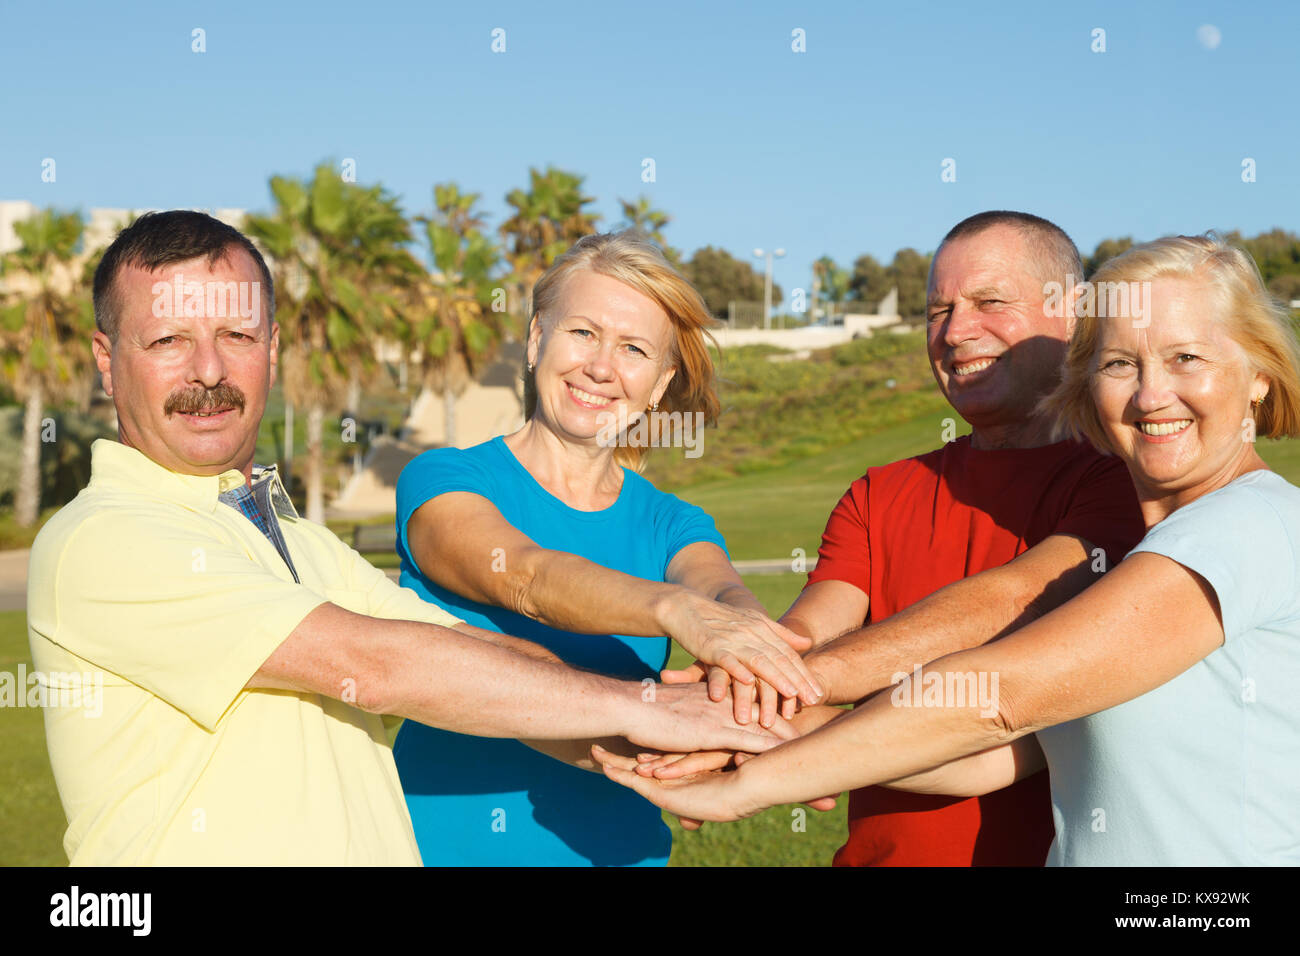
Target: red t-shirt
x,y
907,529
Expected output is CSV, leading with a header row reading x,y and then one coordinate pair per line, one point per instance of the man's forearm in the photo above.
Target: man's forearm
x,y
962,615
517,644
481,688
577,753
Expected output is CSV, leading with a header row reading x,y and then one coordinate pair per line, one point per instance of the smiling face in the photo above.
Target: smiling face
x,y
992,350
189,390
604,349
1174,398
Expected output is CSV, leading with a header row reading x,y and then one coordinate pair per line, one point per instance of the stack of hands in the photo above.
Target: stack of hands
x,y
751,665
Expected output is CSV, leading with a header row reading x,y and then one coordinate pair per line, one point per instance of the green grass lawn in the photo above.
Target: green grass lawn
x,y
763,514
782,836
31,818
768,514
32,822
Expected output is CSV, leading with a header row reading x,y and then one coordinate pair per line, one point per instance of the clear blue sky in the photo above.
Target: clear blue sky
x,y
835,150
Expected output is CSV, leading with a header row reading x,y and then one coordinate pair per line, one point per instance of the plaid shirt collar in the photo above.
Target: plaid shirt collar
x,y
279,497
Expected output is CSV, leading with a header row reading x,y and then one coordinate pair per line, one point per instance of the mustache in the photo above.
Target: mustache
x,y
204,400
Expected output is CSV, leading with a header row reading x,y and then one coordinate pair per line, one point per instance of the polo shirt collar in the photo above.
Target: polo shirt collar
x,y
113,463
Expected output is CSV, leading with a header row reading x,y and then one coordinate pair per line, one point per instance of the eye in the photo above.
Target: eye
x,y
636,349
1186,357
1115,364
581,332
992,302
939,314
165,340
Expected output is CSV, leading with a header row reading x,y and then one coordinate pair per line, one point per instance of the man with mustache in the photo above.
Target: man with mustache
x,y
248,656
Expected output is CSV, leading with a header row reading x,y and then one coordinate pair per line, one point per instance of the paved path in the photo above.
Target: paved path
x,y
13,580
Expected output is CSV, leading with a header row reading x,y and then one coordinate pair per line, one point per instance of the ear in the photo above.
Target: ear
x,y
275,350
534,338
102,348
1259,388
662,385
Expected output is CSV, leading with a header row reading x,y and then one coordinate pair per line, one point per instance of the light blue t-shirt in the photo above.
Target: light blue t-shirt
x,y
1205,769
477,801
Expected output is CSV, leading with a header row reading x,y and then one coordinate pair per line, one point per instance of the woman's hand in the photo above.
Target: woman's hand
x,y
747,650
703,796
771,703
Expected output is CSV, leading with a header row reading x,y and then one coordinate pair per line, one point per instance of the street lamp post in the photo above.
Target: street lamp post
x,y
767,283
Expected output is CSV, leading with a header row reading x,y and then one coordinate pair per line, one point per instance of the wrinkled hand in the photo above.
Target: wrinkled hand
x,y
746,649
683,718
678,766
693,800
771,702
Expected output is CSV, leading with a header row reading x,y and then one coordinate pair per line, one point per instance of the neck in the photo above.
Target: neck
x,y
1029,433
581,475
1158,504
246,469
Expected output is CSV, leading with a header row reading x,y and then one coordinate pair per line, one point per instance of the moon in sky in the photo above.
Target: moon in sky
x,y
1209,36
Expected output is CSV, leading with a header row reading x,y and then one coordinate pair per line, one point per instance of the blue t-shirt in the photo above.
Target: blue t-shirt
x,y
482,801
1205,769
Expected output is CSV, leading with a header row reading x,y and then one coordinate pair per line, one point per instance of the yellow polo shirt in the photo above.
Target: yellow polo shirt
x,y
147,583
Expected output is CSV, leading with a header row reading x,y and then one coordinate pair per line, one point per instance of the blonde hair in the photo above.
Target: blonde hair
x,y
636,262
1254,318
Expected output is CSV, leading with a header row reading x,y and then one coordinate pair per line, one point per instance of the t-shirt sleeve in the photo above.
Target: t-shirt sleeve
x,y
682,523
1104,509
188,619
434,473
1237,540
384,598
844,554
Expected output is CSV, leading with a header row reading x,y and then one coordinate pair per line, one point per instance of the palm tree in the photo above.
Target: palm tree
x,y
462,330
344,272
650,222
46,327
831,283
547,219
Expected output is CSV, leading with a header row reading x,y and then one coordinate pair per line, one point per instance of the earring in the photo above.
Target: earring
x,y
1256,402
654,407
530,366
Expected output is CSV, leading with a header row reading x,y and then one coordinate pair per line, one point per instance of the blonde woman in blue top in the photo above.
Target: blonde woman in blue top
x,y
551,534
1163,698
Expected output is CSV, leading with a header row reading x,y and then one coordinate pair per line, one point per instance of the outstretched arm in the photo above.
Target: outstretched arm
x,y
1141,625
979,773
448,679
965,614
463,543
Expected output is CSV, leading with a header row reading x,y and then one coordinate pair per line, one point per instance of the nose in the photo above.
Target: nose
x,y
207,366
1153,392
600,363
963,324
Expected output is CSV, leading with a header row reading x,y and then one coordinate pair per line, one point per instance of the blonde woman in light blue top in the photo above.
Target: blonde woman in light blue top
x,y
1163,698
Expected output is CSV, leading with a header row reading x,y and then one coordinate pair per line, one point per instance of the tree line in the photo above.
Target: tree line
x,y
867,281
352,269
